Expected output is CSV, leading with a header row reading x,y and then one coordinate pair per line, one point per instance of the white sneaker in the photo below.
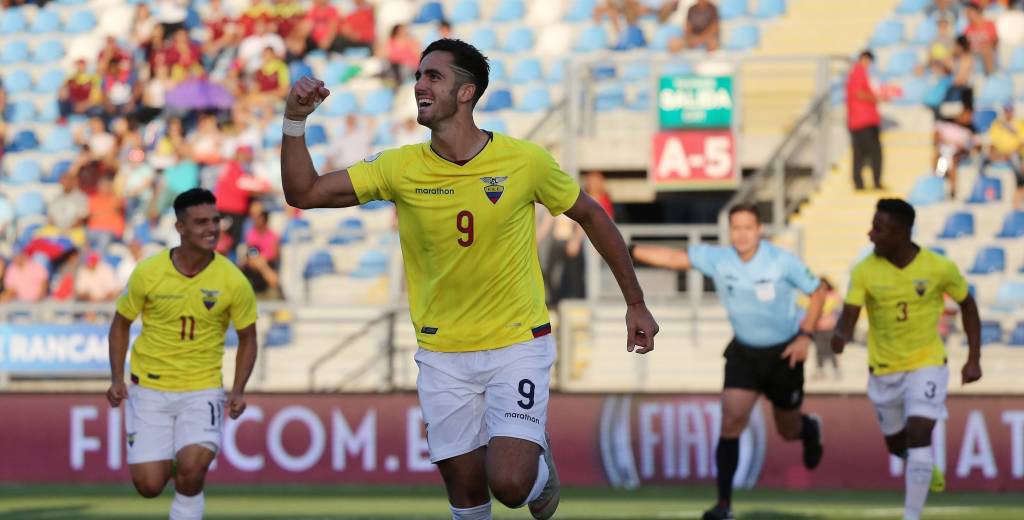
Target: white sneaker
x,y
545,505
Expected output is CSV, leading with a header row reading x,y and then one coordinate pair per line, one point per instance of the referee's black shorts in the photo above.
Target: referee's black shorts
x,y
763,370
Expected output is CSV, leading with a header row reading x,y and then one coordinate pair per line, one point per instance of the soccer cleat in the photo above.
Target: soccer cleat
x,y
938,483
719,512
545,505
813,445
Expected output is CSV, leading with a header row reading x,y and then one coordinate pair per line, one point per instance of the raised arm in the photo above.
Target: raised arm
x,y
844,329
303,187
658,256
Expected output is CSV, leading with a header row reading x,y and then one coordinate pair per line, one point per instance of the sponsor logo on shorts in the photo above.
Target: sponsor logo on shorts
x,y
523,416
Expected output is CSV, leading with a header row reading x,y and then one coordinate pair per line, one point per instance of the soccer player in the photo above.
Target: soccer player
x,y
466,203
758,283
186,295
902,285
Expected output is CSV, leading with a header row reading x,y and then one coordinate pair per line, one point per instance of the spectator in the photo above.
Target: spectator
x,y
96,281
320,24
154,92
270,81
106,215
128,262
102,143
80,93
119,89
981,33
864,121
184,57
143,26
221,32
358,28
70,208
444,30
352,146
260,262
25,280
171,14
110,55
594,185
89,170
943,9
1005,145
205,143
62,283
180,175
701,29
233,195
953,136
134,184
940,50
250,50
823,332
403,53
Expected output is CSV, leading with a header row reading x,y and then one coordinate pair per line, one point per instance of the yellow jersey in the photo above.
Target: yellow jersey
x,y
904,306
468,238
184,320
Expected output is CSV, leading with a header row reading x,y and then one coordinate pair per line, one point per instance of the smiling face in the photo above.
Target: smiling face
x,y
440,90
199,227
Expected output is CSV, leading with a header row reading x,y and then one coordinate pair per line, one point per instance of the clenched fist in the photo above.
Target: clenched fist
x,y
303,98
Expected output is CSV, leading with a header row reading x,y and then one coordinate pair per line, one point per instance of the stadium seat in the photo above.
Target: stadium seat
x,y
484,38
662,35
509,11
12,21
279,335
986,189
1013,225
742,38
603,70
900,64
958,225
1010,295
29,203
26,171
636,71
319,160
495,124
80,22
592,38
498,71
50,81
580,10
297,230
17,81
927,190
641,101
631,38
989,260
911,6
926,32
535,100
298,69
57,172
430,12
983,119
732,9
23,141
46,21
610,98
914,90
556,71
500,99
519,39
58,139
1016,63
316,134
991,332
384,136
465,11
49,112
372,263
768,9
335,72
49,51
378,102
375,205
996,92
341,103
939,250
348,231
21,111
528,69
887,33
319,263
272,135
14,51
1017,335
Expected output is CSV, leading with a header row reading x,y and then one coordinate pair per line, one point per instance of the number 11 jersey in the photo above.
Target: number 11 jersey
x,y
468,236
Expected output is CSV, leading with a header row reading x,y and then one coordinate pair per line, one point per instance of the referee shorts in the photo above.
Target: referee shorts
x,y
763,370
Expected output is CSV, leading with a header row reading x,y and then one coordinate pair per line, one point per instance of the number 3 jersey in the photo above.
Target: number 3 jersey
x,y
184,321
904,306
468,238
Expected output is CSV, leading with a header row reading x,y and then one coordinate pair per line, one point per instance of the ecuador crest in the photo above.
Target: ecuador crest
x,y
209,298
493,188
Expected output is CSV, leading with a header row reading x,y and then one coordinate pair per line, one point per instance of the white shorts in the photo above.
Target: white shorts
x,y
159,424
469,397
917,393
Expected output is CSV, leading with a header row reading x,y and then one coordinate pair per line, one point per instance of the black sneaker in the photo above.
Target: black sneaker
x,y
813,445
718,512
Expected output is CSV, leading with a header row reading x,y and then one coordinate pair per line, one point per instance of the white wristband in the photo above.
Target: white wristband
x,y
294,128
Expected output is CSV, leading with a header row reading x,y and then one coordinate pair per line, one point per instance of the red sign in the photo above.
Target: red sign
x,y
597,440
693,160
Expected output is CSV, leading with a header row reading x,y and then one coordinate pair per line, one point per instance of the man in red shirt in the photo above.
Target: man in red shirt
x,y
981,32
232,193
863,120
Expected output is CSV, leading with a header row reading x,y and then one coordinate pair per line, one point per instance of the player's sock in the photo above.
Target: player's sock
x,y
918,478
185,507
727,456
538,485
472,513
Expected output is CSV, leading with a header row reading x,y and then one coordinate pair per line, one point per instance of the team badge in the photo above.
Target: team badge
x,y
493,188
920,287
209,298
131,439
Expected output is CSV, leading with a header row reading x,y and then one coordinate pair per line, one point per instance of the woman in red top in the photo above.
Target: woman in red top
x,y
982,34
403,51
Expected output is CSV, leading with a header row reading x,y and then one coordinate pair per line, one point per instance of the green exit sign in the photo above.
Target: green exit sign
x,y
695,101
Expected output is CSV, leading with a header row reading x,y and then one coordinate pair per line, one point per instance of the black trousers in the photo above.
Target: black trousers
x,y
867,147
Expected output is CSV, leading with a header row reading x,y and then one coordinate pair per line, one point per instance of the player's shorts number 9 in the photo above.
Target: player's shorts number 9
x,y
526,389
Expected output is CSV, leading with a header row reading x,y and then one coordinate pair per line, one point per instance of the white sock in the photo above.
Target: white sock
x,y
185,507
538,485
918,477
472,513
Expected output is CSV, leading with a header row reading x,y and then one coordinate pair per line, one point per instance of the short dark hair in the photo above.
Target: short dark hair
x,y
899,209
466,57
973,5
190,198
868,54
963,42
745,207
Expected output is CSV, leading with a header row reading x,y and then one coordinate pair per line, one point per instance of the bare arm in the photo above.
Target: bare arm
x,y
972,327
659,256
844,329
120,331
245,360
814,307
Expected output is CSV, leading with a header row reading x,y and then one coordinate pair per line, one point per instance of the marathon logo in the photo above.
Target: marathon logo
x,y
523,416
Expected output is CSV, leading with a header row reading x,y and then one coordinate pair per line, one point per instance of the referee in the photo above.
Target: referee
x,y
757,283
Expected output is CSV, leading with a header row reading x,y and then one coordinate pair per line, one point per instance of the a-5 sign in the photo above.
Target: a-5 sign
x,y
693,160
695,101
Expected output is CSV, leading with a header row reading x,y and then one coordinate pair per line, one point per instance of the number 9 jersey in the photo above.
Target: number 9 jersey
x,y
468,236
184,321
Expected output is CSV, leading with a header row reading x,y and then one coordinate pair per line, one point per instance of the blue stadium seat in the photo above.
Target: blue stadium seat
x,y
316,134
23,141
49,112
991,332
767,9
939,250
914,90
662,35
49,51
57,172
272,135
536,99
1016,60
14,51
677,68
901,63
372,263
603,70
732,9
592,38
519,39
989,260
26,171
21,111
1013,225
484,38
997,91
641,101
50,81
927,190
498,71
297,230
1017,335
610,98
384,136
376,205
17,81
509,11
319,263
925,32
430,12
29,203
80,22
465,11
556,71
500,99
887,33
12,21
495,124
335,72
319,160
1010,295
986,189
279,335
631,38
580,10
46,21
298,69
58,139
341,103
960,224
743,38
911,6
348,231
378,102
528,69
636,71
983,119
